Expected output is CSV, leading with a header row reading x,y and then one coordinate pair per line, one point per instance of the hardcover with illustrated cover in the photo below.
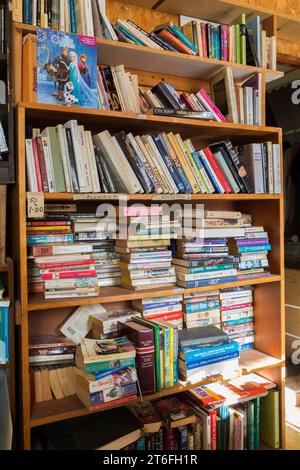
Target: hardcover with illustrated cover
x,y
66,69
91,350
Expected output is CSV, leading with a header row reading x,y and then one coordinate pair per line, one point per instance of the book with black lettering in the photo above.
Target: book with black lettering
x,y
221,147
240,167
71,155
165,95
168,162
135,162
184,113
110,88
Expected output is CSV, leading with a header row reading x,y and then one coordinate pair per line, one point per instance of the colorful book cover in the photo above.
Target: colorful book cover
x,y
67,69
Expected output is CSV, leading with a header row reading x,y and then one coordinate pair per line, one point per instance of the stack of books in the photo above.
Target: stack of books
x,y
201,309
238,315
145,257
251,252
57,265
168,309
46,350
4,331
104,323
105,372
205,259
206,351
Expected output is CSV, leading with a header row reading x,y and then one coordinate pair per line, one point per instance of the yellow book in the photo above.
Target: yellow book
x,y
269,423
43,13
181,145
183,162
47,227
198,175
17,10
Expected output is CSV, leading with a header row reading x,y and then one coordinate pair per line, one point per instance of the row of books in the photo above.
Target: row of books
x,y
51,382
67,158
243,42
4,332
179,423
3,41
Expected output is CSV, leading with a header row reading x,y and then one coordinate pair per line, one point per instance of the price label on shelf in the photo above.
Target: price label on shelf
x,y
99,197
35,205
172,197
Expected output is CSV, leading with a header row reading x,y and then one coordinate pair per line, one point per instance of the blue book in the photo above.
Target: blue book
x,y
5,319
254,25
210,173
140,444
211,360
113,393
168,162
217,42
253,248
243,347
238,322
202,306
159,305
193,354
210,282
182,438
175,352
37,239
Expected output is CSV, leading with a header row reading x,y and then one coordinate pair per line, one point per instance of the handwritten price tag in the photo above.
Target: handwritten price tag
x,y
35,205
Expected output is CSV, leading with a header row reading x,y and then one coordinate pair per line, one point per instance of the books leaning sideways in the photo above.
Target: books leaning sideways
x,y
105,372
145,260
206,351
237,315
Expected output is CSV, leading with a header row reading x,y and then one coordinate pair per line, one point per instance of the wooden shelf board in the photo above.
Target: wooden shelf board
x,y
118,294
160,61
116,120
158,197
71,407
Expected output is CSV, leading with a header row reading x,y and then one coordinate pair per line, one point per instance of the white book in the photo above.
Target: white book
x,y
34,12
105,20
77,325
273,53
270,160
232,96
131,93
73,125
263,49
85,160
242,105
80,17
248,105
217,181
62,25
30,167
208,275
138,34
276,168
123,87
64,154
199,39
92,162
48,164
132,181
89,17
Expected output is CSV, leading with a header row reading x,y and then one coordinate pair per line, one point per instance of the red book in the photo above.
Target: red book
x,y
166,35
215,166
48,232
213,429
42,163
166,316
204,39
143,340
66,264
37,165
233,307
68,275
188,101
43,223
113,403
169,439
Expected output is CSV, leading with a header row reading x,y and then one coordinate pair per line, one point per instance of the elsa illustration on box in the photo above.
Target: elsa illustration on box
x,y
82,92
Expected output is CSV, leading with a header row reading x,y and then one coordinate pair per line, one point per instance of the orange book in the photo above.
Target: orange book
x,y
29,70
174,41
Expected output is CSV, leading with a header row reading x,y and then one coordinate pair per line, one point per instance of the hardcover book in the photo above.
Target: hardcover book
x,y
67,69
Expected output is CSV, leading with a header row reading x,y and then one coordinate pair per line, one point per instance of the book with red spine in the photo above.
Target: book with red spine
x,y
169,439
119,401
66,264
236,306
67,269
224,42
42,163
214,164
186,98
208,103
47,232
50,223
165,316
204,39
68,275
213,429
37,165
174,41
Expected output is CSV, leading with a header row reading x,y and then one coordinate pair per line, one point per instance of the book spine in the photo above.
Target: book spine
x,y
89,368
209,282
168,162
175,30
256,423
217,169
214,179
164,44
32,240
213,429
37,165
42,164
167,36
206,98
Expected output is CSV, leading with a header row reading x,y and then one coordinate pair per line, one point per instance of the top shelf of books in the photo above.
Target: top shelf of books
x,y
166,62
225,11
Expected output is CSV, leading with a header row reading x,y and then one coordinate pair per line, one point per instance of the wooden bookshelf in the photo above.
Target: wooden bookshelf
x,y
40,316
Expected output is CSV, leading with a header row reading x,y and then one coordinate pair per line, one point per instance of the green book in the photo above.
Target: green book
x,y
56,158
250,425
269,419
156,334
256,422
101,366
241,51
